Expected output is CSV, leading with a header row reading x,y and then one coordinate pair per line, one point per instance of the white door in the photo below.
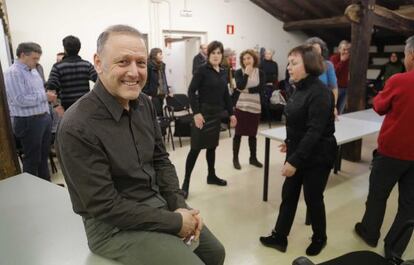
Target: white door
x,y
174,58
178,57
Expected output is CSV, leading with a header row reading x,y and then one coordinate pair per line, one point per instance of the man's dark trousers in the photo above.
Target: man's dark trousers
x,y
34,134
387,172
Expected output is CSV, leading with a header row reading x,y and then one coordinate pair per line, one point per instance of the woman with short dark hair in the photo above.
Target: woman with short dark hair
x,y
209,99
249,82
310,148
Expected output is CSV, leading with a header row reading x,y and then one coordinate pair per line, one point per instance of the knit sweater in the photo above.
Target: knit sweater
x,y
396,102
70,78
341,70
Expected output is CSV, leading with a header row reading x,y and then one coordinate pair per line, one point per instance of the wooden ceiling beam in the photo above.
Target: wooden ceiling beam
x,y
384,18
323,23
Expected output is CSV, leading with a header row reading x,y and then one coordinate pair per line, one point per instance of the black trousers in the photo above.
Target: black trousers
x,y
385,174
314,181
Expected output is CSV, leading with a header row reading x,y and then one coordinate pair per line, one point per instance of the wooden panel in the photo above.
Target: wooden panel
x,y
9,165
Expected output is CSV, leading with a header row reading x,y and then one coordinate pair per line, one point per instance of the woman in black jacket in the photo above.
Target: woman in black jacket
x,y
156,86
209,98
310,148
249,82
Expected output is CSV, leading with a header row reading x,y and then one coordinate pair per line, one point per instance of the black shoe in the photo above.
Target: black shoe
x,y
255,162
362,233
303,261
315,247
236,163
275,241
392,256
387,252
185,188
214,180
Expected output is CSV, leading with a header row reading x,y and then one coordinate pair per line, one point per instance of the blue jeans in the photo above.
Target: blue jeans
x,y
34,134
342,98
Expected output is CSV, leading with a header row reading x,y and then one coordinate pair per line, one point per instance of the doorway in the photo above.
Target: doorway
x,y
181,47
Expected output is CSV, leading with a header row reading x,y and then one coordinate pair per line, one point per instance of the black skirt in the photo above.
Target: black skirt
x,y
208,136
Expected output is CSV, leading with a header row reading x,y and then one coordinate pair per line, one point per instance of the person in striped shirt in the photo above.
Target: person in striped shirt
x,y
70,77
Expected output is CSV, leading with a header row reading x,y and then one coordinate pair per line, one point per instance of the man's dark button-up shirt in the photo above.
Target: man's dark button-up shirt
x,y
116,166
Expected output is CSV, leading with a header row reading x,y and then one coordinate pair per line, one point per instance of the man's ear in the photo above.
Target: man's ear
x,y
98,63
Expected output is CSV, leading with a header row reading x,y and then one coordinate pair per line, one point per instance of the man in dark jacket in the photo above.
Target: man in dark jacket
x,y
200,58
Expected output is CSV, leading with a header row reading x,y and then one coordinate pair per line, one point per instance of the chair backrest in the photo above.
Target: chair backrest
x,y
179,102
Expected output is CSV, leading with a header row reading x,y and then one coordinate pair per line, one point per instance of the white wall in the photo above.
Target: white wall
x,y
48,21
4,49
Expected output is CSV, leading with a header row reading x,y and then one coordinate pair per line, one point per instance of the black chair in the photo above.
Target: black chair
x,y
178,110
163,120
364,257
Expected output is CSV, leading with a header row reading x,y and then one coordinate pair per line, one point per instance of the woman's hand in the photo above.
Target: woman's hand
x,y
199,121
248,70
282,148
288,170
233,121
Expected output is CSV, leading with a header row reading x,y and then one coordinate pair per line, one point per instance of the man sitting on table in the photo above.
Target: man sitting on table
x,y
117,170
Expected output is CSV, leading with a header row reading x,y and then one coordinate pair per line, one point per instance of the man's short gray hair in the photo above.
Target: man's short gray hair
x,y
27,48
321,43
409,44
117,29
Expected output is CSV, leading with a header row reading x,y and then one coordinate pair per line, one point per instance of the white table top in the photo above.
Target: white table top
x,y
365,115
346,130
38,226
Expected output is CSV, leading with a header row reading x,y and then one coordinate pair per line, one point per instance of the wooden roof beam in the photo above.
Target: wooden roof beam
x,y
384,18
323,23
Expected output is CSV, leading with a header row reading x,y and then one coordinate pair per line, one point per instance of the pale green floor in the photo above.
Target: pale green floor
x,y
238,216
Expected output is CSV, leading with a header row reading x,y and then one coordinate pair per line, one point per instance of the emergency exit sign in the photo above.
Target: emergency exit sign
x,y
230,29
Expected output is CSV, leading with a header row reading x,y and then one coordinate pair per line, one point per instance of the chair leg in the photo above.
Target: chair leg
x,y
52,164
269,117
179,138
